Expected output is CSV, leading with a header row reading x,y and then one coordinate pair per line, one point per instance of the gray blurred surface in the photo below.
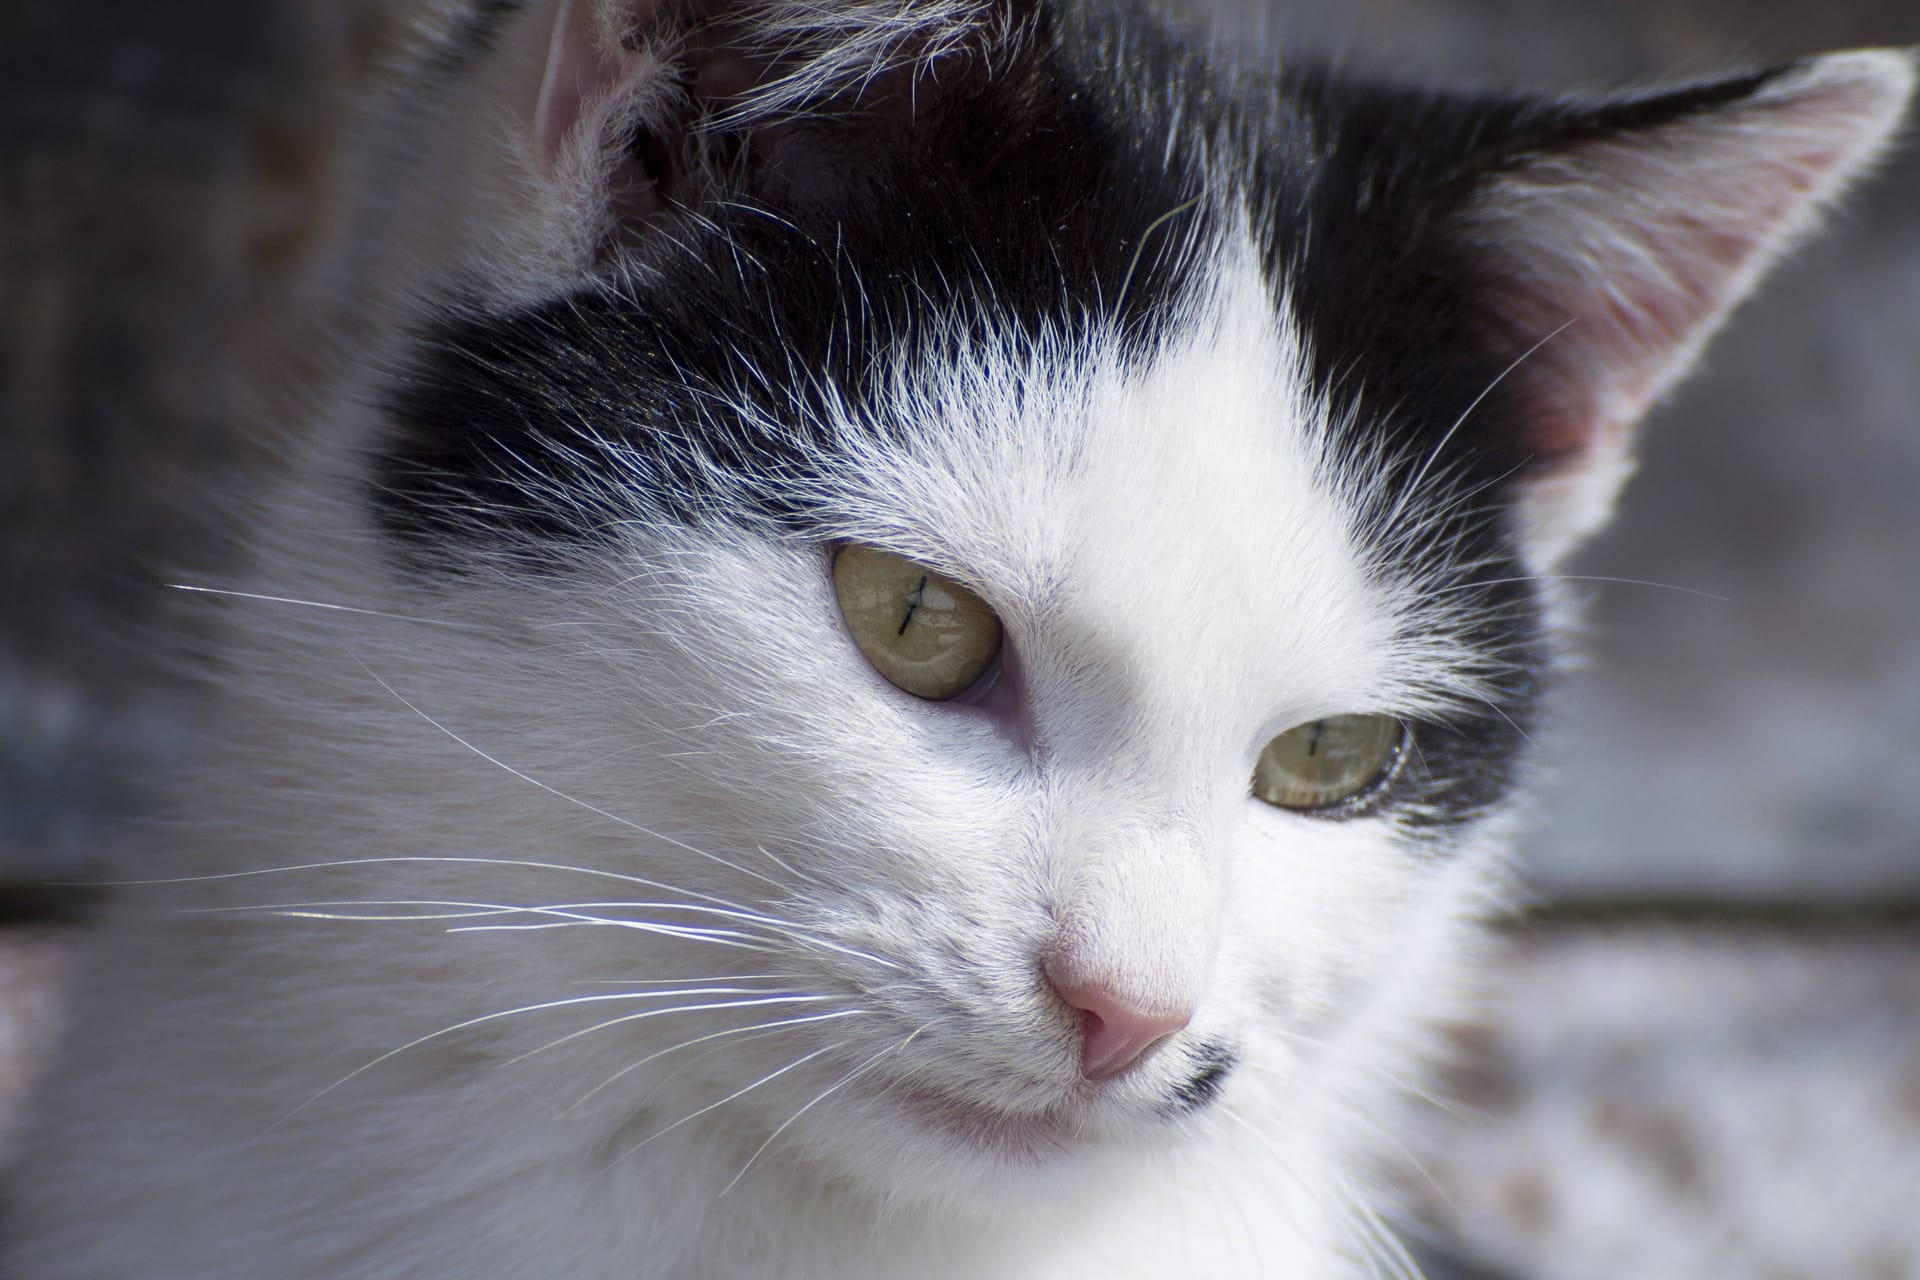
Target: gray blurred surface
x,y
158,191
1658,1102
162,186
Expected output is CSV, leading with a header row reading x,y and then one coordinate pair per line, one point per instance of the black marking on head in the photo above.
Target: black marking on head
x,y
1018,200
1216,1063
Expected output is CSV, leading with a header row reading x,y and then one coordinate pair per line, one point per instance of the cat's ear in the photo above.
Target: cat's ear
x,y
644,105
1618,236
593,82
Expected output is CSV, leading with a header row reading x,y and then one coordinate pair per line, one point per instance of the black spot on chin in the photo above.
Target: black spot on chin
x,y
1216,1063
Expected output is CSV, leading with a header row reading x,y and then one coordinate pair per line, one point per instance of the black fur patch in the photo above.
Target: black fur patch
x,y
1200,1090
1030,206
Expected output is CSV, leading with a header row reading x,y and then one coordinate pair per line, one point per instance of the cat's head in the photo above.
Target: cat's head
x,y
1049,532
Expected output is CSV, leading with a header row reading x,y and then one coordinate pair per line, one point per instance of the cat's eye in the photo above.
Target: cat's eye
x,y
923,631
1327,763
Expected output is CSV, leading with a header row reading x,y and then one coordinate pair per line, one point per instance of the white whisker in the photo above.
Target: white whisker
x,y
406,858
661,1013
758,1027
1281,1163
1400,1083
686,982
818,1098
320,604
555,792
574,920
1380,1243
1588,577
1511,722
1413,485
766,1079
482,1020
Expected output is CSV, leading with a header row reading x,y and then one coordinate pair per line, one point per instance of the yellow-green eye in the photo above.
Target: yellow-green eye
x,y
1328,762
924,632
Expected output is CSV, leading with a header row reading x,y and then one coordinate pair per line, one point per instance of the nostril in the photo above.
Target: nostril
x,y
1116,1031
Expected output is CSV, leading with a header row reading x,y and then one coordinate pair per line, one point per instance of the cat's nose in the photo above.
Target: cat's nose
x,y
1117,1027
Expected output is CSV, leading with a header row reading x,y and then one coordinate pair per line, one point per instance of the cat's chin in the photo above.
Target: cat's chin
x,y
917,1141
1002,1139
1006,1171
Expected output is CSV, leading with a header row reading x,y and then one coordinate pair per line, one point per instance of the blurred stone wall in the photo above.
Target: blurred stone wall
x,y
1748,731
164,180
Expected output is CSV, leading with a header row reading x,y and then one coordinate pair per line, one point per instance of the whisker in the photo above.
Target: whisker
x,y
758,1027
451,860
1348,1057
571,915
320,604
533,781
1385,1244
766,1079
768,923
682,982
1514,724
1362,1119
483,1020
1587,577
1282,1163
786,866
572,910
1413,486
1235,1200
656,1083
318,911
818,1098
770,999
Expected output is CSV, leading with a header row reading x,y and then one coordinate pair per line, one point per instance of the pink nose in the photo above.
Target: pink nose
x,y
1116,1031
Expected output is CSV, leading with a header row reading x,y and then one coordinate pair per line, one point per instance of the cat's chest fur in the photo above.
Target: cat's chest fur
x,y
598,884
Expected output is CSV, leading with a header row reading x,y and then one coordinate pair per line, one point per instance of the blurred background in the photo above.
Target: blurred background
x,y
1702,1054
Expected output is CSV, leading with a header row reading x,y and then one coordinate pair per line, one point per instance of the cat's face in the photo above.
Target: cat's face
x,y
1291,463
1172,601
1182,570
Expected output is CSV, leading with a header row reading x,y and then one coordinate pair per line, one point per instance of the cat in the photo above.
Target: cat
x,y
903,642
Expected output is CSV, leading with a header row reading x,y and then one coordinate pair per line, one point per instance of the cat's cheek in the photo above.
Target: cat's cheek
x,y
1314,910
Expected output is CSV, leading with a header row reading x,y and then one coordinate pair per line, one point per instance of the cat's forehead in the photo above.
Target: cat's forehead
x,y
1174,510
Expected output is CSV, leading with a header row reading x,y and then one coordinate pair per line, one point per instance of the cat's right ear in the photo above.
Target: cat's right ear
x,y
647,106
613,100
593,83
1610,239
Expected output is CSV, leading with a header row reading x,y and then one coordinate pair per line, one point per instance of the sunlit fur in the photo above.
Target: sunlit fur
x,y
590,908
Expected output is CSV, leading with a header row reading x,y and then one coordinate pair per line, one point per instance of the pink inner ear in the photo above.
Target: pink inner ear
x,y
1621,254
584,76
1634,248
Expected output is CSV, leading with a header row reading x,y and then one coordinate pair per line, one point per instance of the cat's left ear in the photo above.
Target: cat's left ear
x,y
647,106
1619,236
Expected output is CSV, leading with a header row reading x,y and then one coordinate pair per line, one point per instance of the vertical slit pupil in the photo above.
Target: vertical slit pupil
x,y
914,598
